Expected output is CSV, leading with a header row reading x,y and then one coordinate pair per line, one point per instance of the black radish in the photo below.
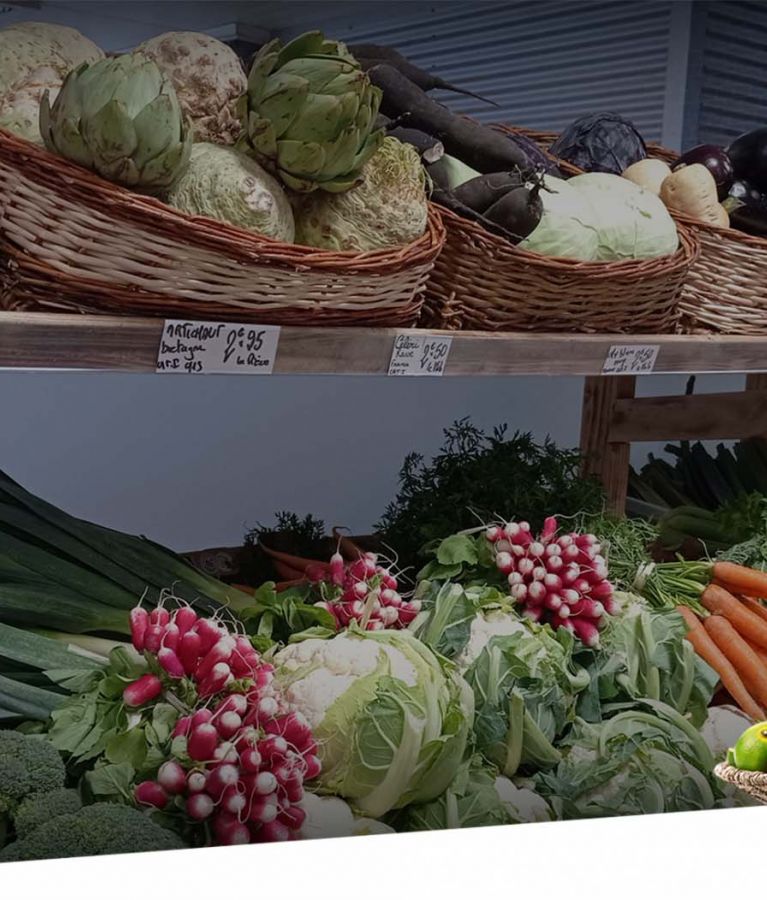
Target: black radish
x,y
519,210
481,193
369,55
476,145
448,200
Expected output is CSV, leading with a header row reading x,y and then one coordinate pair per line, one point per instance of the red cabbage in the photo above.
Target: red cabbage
x,y
601,142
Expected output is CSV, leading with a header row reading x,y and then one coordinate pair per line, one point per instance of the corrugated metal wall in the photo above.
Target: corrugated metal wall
x,y
731,83
544,62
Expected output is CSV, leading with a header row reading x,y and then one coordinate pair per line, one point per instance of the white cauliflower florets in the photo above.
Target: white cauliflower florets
x,y
485,626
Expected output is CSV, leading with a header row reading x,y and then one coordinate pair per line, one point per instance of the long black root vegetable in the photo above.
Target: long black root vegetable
x,y
519,210
430,148
369,55
475,145
481,193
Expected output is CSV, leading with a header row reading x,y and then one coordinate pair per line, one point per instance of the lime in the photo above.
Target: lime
x,y
750,752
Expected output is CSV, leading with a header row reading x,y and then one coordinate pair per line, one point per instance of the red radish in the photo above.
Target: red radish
x,y
553,601
226,752
538,573
233,800
229,831
189,650
202,716
517,550
150,793
313,767
268,706
228,724
519,592
570,596
263,810
294,817
196,781
272,747
233,703
219,779
209,632
586,631
525,566
272,832
153,638
505,562
202,742
170,662
142,691
250,760
515,578
337,569
554,563
172,777
294,788
218,678
139,622
503,546
493,533
159,616
536,592
511,530
185,619
389,581
552,582
549,528
533,613
536,549
182,727
219,652
265,783
171,636
316,571
564,611
565,540
199,806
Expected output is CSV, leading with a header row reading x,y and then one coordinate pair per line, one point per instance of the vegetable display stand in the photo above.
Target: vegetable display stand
x,y
75,242
482,281
613,418
752,783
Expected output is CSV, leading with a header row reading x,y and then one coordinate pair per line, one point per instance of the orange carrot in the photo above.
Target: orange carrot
x,y
297,563
746,663
755,606
760,652
741,579
720,602
708,651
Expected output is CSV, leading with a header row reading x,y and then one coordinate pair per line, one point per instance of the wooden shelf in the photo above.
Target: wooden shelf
x,y
56,341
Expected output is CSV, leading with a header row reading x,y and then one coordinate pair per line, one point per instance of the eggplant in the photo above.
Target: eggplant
x,y
519,210
748,154
750,218
745,192
716,160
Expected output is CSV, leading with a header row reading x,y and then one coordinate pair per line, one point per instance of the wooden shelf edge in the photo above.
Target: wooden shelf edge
x,y
53,341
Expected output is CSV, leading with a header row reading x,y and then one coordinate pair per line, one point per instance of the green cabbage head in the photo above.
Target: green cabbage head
x,y
391,719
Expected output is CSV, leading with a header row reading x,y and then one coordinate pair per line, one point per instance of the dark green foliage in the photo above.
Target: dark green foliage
x,y
478,477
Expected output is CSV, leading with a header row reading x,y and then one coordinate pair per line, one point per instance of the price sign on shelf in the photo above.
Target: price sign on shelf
x,y
217,348
419,354
630,359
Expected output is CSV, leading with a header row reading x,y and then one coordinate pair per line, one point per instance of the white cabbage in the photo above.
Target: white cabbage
x,y
568,226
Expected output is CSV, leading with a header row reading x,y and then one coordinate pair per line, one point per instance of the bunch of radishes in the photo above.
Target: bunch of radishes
x,y
561,580
363,591
238,760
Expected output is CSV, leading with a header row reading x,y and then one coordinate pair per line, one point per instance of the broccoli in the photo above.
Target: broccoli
x,y
37,809
28,764
97,830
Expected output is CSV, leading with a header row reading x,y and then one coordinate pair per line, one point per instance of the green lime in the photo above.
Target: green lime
x,y
750,752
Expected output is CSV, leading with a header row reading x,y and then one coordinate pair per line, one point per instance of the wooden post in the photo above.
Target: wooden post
x,y
608,461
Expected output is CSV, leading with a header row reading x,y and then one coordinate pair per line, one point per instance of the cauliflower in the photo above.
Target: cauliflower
x,y
522,802
97,830
37,809
208,78
328,817
28,764
223,183
486,625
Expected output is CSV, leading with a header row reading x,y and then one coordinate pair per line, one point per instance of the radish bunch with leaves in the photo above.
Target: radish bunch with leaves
x,y
363,591
239,754
562,580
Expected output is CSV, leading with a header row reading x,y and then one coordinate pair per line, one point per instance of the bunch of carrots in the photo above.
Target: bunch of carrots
x,y
727,625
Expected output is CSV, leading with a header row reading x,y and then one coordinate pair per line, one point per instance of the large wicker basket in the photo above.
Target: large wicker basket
x,y
752,783
75,242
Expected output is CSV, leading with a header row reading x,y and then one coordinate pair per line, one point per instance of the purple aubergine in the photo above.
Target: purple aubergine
x,y
716,160
746,192
749,157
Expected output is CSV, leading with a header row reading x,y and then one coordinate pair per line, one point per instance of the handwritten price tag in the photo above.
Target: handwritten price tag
x,y
630,359
419,354
211,348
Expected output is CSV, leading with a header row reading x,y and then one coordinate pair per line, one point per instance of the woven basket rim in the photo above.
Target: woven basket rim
x,y
154,213
685,254
732,775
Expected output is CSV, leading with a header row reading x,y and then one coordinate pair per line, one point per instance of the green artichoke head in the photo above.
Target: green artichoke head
x,y
121,118
309,112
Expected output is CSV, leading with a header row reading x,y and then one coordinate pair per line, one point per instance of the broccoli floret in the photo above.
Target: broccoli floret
x,y
37,809
28,764
97,830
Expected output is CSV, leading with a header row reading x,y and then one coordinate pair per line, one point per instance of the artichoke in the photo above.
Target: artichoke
x,y
309,112
121,118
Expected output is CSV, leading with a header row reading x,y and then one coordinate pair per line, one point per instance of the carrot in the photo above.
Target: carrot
x,y
297,563
760,652
287,572
740,578
755,607
708,651
721,602
747,664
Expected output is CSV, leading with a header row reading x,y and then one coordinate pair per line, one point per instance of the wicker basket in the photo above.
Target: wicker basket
x,y
75,242
752,783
